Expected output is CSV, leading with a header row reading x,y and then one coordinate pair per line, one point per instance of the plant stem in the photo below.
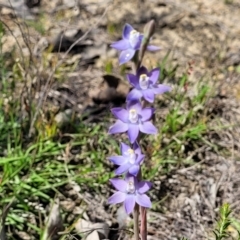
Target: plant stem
x,y
143,229
136,219
135,64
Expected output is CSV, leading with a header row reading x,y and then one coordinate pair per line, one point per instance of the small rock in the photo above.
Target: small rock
x,y
23,235
93,236
102,228
68,205
70,3
71,33
63,118
83,226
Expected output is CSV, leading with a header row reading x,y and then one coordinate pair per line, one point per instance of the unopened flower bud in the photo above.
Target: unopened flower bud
x,y
149,29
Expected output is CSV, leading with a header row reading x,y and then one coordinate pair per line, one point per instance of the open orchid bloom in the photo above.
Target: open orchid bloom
x,y
130,191
130,159
145,85
132,120
130,43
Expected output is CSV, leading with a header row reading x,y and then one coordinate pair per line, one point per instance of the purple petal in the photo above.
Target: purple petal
x,y
152,48
161,88
126,56
134,104
133,80
147,113
142,70
134,170
133,131
124,148
143,200
134,95
138,151
130,177
129,203
148,128
119,184
117,197
126,31
139,159
144,186
136,146
120,45
118,127
154,75
117,160
138,45
148,95
122,169
120,113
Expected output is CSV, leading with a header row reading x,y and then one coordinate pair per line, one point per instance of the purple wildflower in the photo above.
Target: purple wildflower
x,y
145,85
130,191
130,159
130,43
133,119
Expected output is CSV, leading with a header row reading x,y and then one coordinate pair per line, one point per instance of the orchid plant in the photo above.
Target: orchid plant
x,y
136,118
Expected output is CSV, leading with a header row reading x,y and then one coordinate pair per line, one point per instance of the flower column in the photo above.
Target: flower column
x,y
135,118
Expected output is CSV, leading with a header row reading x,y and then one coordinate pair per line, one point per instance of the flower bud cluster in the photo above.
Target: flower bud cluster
x,y
133,119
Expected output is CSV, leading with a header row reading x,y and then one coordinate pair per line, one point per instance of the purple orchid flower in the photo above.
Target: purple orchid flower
x,y
145,85
130,43
133,119
130,191
130,159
